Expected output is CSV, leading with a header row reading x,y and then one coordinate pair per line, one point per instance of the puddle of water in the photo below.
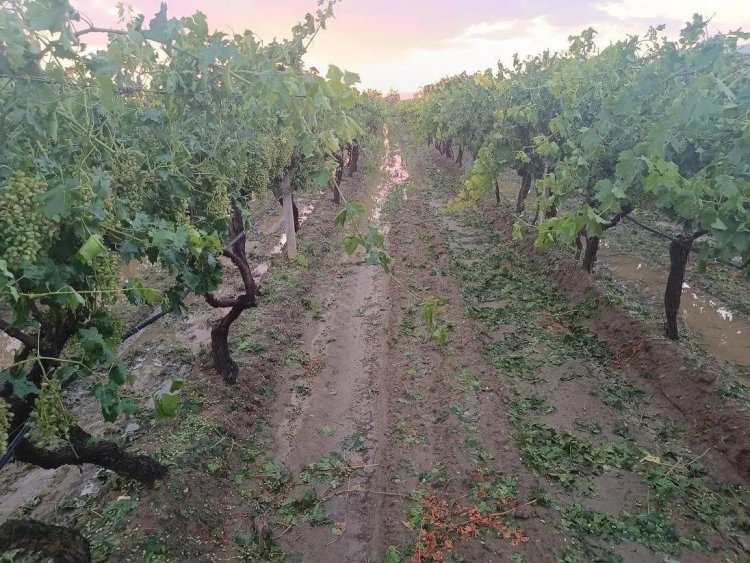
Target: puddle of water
x,y
260,270
279,246
396,175
725,335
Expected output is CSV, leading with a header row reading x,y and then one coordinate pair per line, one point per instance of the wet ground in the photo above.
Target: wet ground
x,y
724,332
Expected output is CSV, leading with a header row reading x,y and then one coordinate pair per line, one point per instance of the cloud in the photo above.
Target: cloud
x,y
725,14
106,6
484,29
480,47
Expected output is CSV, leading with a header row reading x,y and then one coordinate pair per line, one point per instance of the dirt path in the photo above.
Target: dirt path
x,y
415,424
335,405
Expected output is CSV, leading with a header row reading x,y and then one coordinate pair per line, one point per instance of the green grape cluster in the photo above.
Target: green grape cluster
x,y
85,192
5,417
182,212
257,178
107,276
51,419
236,162
278,150
120,328
129,183
218,205
23,226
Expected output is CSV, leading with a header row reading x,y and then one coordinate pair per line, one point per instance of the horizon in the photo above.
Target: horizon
x,y
428,41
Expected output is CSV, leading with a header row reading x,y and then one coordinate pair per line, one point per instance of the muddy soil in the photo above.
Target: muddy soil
x,y
474,404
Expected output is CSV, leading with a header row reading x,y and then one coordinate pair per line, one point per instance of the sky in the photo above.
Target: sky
x,y
405,44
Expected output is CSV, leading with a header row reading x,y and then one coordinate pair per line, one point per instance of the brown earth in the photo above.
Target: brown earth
x,y
719,424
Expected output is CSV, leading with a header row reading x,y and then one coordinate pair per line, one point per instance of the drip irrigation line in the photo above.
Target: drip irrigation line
x,y
651,229
13,445
671,238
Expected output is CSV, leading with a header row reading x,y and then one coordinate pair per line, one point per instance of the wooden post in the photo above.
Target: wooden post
x,y
286,202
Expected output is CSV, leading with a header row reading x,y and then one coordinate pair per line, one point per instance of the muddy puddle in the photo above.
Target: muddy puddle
x,y
724,334
395,175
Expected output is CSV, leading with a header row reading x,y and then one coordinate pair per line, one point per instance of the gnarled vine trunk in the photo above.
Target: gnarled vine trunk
x,y
589,256
62,545
497,192
551,211
460,158
81,447
580,237
354,159
338,176
448,146
592,243
679,252
223,362
84,448
523,193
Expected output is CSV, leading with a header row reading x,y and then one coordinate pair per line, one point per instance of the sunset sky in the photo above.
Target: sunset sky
x,y
405,44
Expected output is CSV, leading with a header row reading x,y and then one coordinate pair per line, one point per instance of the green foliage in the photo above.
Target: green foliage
x,y
595,532
372,243
646,122
432,310
137,151
393,555
565,458
620,394
51,418
5,419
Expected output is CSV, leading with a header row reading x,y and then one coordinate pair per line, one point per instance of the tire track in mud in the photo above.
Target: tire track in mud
x,y
447,431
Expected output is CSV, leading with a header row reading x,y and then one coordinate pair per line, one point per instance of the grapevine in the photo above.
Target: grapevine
x,y
147,149
647,122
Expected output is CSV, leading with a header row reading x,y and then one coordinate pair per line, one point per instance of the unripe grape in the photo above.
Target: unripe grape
x,y
5,419
51,419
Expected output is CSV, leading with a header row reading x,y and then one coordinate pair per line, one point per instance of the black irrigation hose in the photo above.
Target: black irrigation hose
x,y
651,230
670,238
13,445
